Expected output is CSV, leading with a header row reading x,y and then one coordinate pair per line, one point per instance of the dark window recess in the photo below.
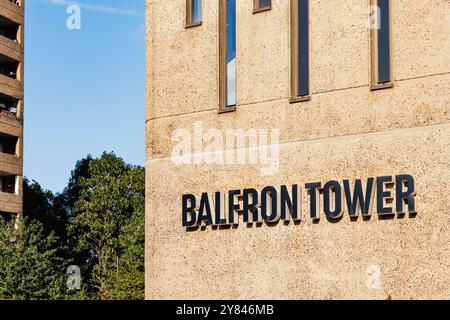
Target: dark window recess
x,y
8,144
9,184
303,47
8,103
9,68
8,29
384,43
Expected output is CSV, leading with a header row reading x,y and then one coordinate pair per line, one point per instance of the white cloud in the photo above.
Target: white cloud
x,y
97,8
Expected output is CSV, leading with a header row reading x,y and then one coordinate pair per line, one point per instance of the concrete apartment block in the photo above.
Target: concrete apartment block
x,y
11,105
345,130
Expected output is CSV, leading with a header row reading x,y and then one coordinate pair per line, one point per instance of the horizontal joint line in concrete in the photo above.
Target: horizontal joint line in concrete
x,y
287,98
424,76
345,136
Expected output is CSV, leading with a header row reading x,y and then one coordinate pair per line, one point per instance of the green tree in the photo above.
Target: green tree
x,y
108,222
31,266
65,201
96,223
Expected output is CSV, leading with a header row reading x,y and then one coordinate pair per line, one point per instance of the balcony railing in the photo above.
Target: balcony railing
x,y
10,203
12,11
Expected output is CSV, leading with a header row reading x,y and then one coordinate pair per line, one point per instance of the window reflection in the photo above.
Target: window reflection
x,y
231,52
196,11
264,3
384,46
303,48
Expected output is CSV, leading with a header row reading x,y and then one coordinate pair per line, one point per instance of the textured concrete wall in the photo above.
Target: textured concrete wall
x,y
345,131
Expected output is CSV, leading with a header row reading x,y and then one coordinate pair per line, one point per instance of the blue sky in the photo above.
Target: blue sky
x,y
84,89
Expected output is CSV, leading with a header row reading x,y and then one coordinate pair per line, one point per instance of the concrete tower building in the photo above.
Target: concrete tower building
x,y
298,149
11,105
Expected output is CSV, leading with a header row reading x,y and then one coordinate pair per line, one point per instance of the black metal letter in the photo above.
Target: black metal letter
x,y
314,195
273,216
204,211
359,203
233,207
405,197
328,189
249,206
291,202
189,215
383,195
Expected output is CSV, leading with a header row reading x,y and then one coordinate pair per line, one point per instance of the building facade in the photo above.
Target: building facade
x,y
298,149
11,105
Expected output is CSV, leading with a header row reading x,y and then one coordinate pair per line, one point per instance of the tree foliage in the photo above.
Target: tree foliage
x,y
30,260
96,223
104,222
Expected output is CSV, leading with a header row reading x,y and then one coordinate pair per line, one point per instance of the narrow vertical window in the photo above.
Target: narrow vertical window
x,y
227,55
261,5
381,39
300,50
193,13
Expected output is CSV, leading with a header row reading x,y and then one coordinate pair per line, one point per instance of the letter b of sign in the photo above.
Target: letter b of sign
x,y
74,20
74,279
